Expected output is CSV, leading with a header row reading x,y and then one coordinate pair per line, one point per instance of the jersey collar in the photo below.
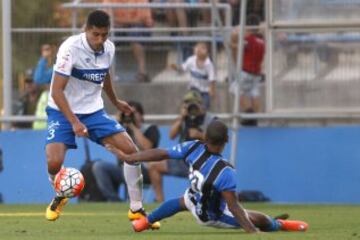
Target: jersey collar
x,y
88,48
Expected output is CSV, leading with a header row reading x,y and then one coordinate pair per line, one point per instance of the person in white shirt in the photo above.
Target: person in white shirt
x,y
201,70
76,108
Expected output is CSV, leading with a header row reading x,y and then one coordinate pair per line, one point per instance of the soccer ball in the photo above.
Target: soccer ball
x,y
69,182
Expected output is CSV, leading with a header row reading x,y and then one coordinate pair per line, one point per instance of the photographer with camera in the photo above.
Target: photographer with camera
x,y
190,125
110,176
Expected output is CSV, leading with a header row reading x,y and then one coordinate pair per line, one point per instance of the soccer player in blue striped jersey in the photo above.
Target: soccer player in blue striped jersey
x,y
211,196
76,108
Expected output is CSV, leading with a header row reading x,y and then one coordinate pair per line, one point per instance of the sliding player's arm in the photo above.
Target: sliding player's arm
x,y
239,212
150,155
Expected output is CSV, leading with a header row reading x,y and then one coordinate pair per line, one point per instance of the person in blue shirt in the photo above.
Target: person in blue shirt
x,y
211,197
44,68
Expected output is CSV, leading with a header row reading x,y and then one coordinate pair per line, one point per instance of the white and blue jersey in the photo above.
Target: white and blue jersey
x,y
86,70
209,175
200,78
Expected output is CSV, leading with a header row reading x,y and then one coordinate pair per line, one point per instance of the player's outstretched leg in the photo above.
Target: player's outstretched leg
x,y
268,224
165,210
293,225
140,215
55,153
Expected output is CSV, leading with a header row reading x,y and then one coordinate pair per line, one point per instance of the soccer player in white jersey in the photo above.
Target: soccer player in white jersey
x,y
75,107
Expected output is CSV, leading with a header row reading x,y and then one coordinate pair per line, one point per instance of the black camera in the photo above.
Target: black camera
x,y
194,117
127,119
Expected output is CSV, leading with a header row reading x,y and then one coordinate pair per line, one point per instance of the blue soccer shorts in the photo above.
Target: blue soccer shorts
x,y
99,125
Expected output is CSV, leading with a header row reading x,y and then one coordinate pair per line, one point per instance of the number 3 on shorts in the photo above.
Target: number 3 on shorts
x,y
51,133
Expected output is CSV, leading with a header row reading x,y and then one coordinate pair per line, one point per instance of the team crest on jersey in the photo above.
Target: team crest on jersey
x,y
87,60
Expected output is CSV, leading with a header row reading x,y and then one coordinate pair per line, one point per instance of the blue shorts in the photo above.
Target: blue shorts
x,y
99,125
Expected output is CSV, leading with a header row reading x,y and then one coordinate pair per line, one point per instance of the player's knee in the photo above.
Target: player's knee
x,y
54,163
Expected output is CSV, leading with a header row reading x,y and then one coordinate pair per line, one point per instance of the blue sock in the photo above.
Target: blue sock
x,y
165,210
274,225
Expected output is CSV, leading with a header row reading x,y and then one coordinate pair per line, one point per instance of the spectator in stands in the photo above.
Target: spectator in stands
x,y
40,110
190,125
44,68
175,17
134,18
62,16
110,176
253,7
42,78
26,104
201,70
253,56
234,6
182,18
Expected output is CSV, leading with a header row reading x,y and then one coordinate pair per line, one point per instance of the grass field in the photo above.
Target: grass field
x,y
109,221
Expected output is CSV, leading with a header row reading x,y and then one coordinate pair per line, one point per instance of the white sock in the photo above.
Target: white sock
x,y
52,179
134,181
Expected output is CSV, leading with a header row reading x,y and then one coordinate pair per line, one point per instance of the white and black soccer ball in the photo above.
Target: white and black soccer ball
x,y
69,182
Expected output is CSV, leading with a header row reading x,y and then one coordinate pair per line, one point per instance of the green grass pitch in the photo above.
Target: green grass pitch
x,y
109,221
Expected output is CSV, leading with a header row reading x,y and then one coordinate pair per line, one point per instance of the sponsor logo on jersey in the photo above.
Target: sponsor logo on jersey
x,y
92,75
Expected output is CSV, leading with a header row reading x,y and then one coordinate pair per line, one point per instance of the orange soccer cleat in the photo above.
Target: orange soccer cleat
x,y
139,214
141,224
293,225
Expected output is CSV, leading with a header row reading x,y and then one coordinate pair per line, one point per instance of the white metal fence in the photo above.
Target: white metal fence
x,y
313,56
311,64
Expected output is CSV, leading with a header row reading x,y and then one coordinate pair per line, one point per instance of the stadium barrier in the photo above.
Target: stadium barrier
x,y
295,165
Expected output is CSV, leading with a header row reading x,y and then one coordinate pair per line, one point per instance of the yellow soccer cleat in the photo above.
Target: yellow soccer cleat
x,y
54,209
136,215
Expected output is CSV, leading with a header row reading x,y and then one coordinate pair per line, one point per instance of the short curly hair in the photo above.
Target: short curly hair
x,y
99,19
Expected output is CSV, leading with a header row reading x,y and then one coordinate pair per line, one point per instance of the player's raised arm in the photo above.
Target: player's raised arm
x,y
151,155
57,93
239,212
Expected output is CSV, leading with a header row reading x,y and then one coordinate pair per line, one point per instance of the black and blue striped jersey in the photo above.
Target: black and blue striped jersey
x,y
209,175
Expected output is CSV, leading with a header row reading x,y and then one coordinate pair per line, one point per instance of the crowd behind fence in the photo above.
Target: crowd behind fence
x,y
310,64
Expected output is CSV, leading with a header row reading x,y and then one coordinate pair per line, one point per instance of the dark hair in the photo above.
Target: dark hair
x,y
217,133
138,107
99,19
253,20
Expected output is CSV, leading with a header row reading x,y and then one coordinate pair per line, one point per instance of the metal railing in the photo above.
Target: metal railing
x,y
217,32
222,116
